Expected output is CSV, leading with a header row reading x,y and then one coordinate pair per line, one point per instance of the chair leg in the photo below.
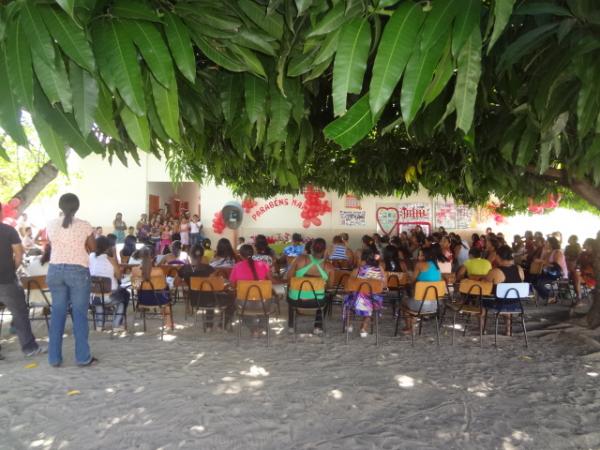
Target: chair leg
x,y
239,330
524,330
466,324
412,331
295,320
348,312
376,328
453,327
144,319
481,324
397,322
496,330
268,330
437,329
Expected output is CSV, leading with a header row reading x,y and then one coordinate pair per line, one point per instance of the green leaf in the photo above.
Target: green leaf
x,y
18,57
37,34
437,23
10,112
443,73
52,142
536,8
467,81
300,64
115,48
220,55
167,107
137,128
280,110
353,126
303,5
180,44
525,43
255,41
70,37
104,113
469,18
526,148
252,62
54,81
350,62
418,75
231,96
85,97
328,48
155,52
134,9
394,50
333,20
255,92
502,12
67,5
272,23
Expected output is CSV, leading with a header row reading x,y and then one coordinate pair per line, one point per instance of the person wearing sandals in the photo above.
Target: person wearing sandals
x,y
426,269
312,265
69,280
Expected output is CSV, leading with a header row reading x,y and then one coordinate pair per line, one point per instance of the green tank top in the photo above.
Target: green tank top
x,y
319,294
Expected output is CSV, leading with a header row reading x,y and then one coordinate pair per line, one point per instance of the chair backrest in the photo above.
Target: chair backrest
x,y
364,285
156,283
224,272
512,290
37,283
536,267
101,285
207,284
430,290
307,284
254,290
473,287
170,270
396,280
340,277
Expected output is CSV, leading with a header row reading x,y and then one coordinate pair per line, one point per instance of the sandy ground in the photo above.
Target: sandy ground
x,y
200,391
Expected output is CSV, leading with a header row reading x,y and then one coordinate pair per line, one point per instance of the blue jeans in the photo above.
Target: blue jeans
x,y
195,238
69,285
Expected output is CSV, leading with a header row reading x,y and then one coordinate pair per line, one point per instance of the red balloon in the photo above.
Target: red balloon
x,y
316,221
306,223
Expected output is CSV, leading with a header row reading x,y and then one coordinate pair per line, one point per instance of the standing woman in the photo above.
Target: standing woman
x,y
69,280
120,226
184,232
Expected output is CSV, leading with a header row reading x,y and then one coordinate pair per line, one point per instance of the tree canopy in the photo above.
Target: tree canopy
x,y
465,97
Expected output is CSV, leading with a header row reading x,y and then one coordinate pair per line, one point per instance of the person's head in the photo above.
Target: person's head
x,y
129,246
176,248
119,216
517,239
225,249
261,244
492,244
318,248
297,238
131,231
144,217
558,236
241,240
367,242
538,234
99,231
346,238
445,242
573,239
475,252
46,254
396,241
539,240
488,230
505,253
390,258
247,252
196,254
28,231
528,235
376,238
145,255
112,238
553,243
337,240
103,246
206,244
308,247
195,218
369,258
438,253
442,230
69,205
589,245
428,254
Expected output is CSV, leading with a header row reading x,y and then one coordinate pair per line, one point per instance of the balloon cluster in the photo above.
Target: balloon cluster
x,y
10,213
248,204
539,208
218,224
498,218
313,207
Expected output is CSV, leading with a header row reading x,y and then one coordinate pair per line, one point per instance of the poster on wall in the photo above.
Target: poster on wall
x,y
466,217
409,226
415,212
352,202
353,218
452,216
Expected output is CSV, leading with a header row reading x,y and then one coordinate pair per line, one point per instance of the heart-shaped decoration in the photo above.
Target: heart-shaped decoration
x,y
388,219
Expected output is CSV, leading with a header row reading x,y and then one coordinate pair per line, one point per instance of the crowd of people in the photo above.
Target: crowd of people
x,y
75,252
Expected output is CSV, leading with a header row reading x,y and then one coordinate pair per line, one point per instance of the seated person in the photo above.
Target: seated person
x,y
103,265
475,267
392,261
28,242
198,268
443,263
245,270
128,249
364,305
313,265
209,253
225,255
426,269
555,267
176,256
38,265
584,272
296,248
339,254
263,252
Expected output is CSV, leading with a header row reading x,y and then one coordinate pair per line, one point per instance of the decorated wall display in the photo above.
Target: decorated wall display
x,y
409,226
353,218
387,219
452,216
352,202
414,212
466,217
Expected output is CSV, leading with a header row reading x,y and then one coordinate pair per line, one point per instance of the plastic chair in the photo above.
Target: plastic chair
x,y
471,290
32,284
254,293
101,287
339,281
208,285
369,287
508,303
310,285
156,287
426,291
397,282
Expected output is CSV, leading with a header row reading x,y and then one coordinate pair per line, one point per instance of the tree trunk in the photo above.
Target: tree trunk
x,y
593,316
40,180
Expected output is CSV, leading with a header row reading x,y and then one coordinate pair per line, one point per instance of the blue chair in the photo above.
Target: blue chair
x,y
508,302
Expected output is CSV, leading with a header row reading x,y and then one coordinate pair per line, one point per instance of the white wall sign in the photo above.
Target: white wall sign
x,y
353,218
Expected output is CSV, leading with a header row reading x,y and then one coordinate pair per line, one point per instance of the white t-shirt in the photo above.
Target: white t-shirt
x,y
194,227
100,266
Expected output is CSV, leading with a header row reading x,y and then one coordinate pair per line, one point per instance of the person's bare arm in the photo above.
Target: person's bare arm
x,y
293,268
116,267
17,254
90,243
462,270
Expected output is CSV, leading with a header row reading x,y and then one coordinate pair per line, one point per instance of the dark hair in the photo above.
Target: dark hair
x,y
505,253
318,246
370,243
591,243
129,246
68,204
337,239
391,259
475,252
112,238
225,249
46,254
296,237
145,255
102,245
247,253
554,244
344,236
475,237
368,256
430,256
438,253
206,244
261,244
176,248
308,247
197,252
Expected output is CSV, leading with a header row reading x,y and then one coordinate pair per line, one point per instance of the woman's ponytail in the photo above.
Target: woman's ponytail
x,y
69,204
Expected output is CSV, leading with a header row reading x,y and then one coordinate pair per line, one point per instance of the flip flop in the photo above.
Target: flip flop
x,y
92,362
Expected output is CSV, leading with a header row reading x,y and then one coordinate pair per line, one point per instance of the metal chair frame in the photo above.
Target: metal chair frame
x,y
321,305
240,311
98,287
152,308
36,283
513,300
369,284
470,294
206,281
340,279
